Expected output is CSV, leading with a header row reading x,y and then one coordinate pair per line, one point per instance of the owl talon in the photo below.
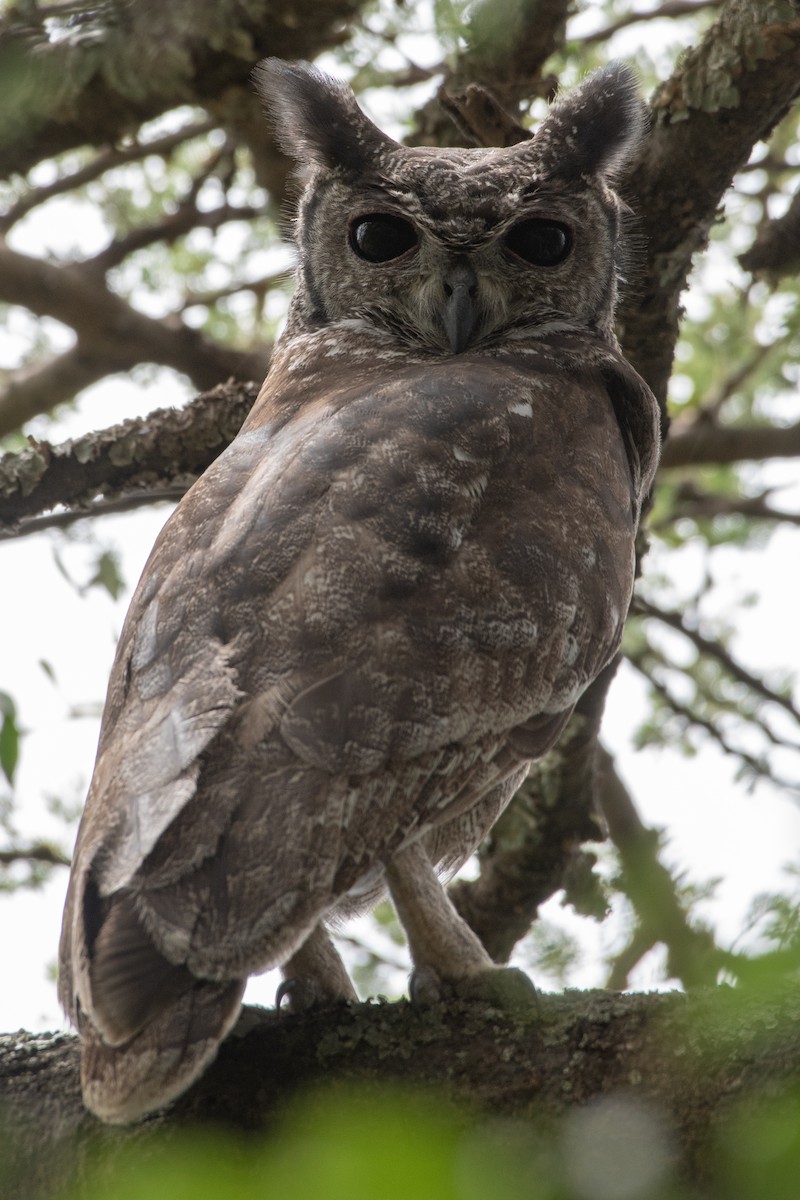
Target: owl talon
x,y
425,987
302,993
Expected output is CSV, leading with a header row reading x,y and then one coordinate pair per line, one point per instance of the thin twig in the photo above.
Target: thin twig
x,y
101,508
40,852
173,226
732,382
687,714
102,162
671,9
259,286
692,502
716,650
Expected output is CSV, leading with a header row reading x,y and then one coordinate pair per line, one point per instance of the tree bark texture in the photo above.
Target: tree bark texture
x,y
689,1058
89,86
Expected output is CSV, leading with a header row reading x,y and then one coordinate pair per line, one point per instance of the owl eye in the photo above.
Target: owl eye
x,y
541,243
381,237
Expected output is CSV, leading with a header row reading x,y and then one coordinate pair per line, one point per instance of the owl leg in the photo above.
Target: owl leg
x,y
439,939
315,974
442,945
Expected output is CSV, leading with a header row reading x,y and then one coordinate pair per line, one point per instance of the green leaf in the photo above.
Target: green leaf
x,y
108,575
48,669
9,737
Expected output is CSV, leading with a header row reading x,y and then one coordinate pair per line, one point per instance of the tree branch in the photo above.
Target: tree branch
x,y
692,502
169,448
690,717
715,649
98,508
111,333
99,164
38,852
721,391
776,249
670,9
68,88
506,51
259,287
481,118
579,1048
727,94
701,441
692,955
171,227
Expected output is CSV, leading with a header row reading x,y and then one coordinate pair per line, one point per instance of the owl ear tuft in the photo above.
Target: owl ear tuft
x,y
596,128
317,118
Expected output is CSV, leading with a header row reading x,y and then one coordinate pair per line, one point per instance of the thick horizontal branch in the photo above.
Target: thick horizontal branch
x,y
45,476
169,447
707,442
112,335
574,1049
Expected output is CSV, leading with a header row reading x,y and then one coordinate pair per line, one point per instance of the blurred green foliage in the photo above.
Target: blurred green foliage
x,y
381,1144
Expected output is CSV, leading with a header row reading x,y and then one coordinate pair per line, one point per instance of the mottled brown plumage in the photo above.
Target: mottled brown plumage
x,y
383,600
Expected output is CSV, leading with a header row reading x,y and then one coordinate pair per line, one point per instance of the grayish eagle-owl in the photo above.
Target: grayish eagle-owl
x,y
383,600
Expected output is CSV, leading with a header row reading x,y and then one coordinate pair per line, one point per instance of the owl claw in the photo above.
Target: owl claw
x,y
425,987
302,993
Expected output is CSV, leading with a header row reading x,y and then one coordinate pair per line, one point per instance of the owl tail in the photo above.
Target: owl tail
x,y
148,1027
123,1083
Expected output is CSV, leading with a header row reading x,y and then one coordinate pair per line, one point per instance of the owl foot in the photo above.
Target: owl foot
x,y
314,976
426,987
506,988
301,993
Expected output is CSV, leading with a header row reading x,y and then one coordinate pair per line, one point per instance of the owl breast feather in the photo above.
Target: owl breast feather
x,y
424,560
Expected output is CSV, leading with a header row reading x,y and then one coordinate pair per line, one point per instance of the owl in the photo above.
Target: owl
x,y
382,601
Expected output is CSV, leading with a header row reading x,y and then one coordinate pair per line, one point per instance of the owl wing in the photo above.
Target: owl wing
x,y
336,640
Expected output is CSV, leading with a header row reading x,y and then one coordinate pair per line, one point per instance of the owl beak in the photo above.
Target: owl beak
x,y
460,313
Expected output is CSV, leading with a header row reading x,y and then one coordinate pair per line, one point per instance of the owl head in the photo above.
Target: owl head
x,y
447,250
